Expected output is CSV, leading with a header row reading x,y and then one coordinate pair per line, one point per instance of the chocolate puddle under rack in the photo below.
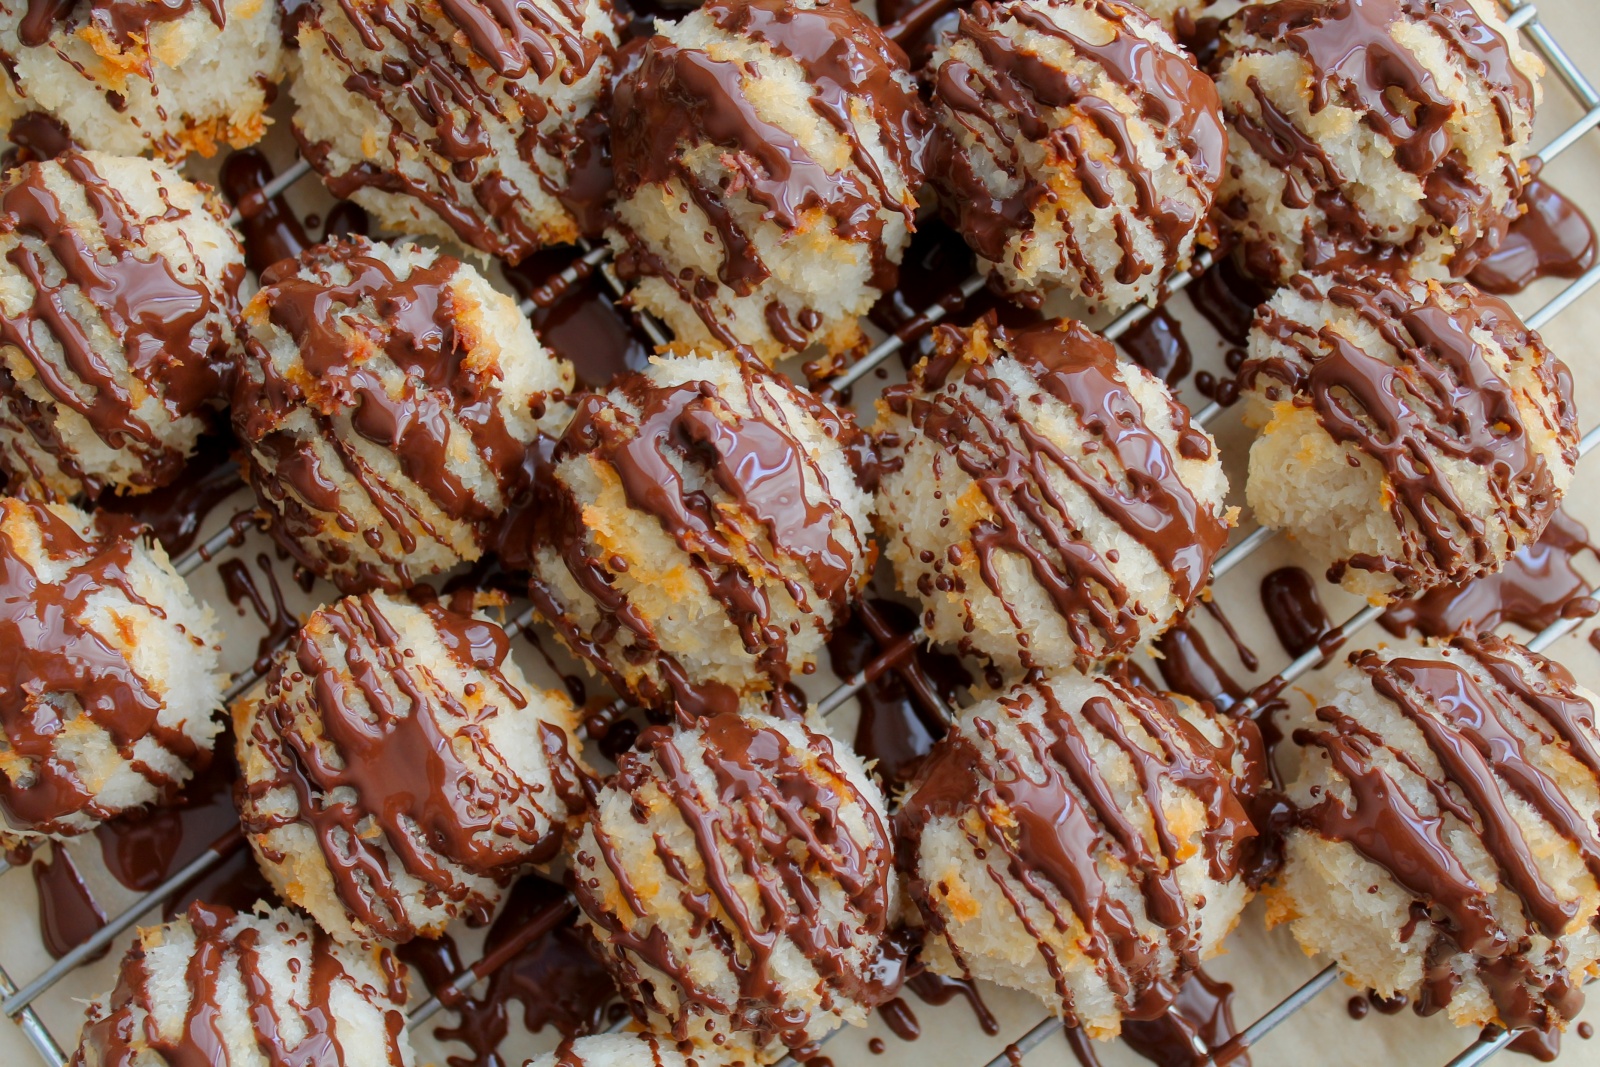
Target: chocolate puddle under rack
x,y
20,1002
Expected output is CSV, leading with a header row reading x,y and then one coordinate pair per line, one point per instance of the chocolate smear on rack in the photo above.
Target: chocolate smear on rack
x,y
581,322
171,333
1474,728
1147,498
1294,608
1550,238
271,229
174,513
68,912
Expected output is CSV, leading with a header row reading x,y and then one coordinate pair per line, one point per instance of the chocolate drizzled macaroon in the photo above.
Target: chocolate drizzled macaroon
x,y
1445,847
632,1050
1412,433
739,877
768,154
109,676
704,532
1048,504
230,990
1388,130
131,76
478,121
390,400
118,291
1079,147
398,770
1080,839
1193,21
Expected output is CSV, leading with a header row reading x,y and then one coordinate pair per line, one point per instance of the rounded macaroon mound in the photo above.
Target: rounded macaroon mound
x,y
217,987
1445,845
704,532
1048,504
110,682
1079,147
390,400
631,1050
1081,839
1384,130
738,875
131,76
1412,433
119,287
398,769
767,155
478,121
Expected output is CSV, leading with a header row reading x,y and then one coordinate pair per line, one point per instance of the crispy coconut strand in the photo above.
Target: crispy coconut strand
x,y
1082,839
110,684
1413,434
475,121
1388,130
739,876
1446,846
391,401
767,157
398,769
1049,504
217,987
133,76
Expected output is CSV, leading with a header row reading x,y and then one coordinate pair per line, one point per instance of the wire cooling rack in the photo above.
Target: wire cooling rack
x,y
21,1003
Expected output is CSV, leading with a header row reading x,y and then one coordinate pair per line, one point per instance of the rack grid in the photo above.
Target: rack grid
x,y
18,1002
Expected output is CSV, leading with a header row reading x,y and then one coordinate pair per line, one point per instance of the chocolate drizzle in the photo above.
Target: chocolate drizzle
x,y
679,98
1053,824
391,764
758,899
224,947
1015,85
1479,706
660,442
1443,398
1127,471
1551,238
56,670
437,389
1357,62
126,22
171,334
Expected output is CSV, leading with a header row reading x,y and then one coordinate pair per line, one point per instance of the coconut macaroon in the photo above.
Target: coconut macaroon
x,y
223,988
1412,433
110,684
389,399
704,531
1445,843
118,289
1386,129
738,876
1049,504
1079,147
478,121
767,157
1081,839
131,76
398,769
632,1050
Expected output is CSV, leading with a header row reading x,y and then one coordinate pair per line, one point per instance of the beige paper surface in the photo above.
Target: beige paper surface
x,y
1264,966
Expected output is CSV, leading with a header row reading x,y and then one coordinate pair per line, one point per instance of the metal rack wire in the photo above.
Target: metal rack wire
x,y
18,1003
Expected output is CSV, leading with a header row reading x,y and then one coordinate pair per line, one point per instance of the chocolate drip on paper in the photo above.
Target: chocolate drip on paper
x,y
1016,84
644,433
768,794
679,98
1051,817
222,946
50,661
1137,485
171,331
354,709
492,67
1444,398
344,333
1473,709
